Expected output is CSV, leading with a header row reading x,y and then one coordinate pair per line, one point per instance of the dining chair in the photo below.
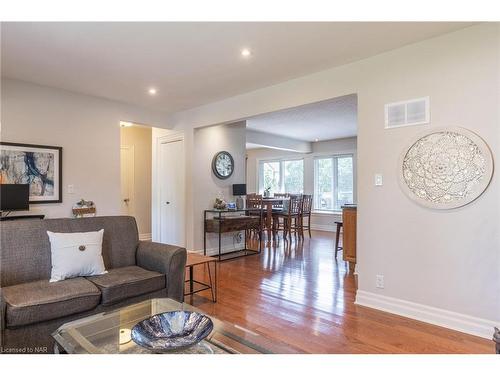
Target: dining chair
x,y
254,207
307,201
279,206
290,216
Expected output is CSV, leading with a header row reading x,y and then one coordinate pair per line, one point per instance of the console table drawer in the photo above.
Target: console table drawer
x,y
232,224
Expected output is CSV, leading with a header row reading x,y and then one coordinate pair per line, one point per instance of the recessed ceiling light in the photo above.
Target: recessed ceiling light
x,y
316,140
126,124
245,52
152,91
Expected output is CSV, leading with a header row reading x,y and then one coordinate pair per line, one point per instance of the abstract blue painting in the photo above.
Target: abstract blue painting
x,y
38,166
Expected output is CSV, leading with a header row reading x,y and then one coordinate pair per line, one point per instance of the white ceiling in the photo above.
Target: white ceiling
x,y
191,63
329,119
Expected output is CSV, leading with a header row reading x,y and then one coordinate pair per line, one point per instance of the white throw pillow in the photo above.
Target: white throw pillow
x,y
76,254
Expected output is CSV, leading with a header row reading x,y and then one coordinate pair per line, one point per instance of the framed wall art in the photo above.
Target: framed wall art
x,y
38,166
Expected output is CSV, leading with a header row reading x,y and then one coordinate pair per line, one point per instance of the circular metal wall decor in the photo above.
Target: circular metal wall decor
x,y
223,165
447,168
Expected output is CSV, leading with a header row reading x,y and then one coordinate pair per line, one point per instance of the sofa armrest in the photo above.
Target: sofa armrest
x,y
167,259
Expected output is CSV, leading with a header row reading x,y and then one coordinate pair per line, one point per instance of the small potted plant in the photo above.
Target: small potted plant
x,y
267,192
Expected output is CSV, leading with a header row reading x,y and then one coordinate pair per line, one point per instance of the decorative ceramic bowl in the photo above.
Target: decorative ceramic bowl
x,y
173,330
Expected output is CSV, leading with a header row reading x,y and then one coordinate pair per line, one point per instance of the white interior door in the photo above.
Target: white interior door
x,y
127,180
172,193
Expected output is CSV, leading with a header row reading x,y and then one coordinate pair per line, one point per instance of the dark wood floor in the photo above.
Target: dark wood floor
x,y
302,296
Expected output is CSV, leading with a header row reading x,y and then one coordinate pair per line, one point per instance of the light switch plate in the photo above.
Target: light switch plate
x,y
379,181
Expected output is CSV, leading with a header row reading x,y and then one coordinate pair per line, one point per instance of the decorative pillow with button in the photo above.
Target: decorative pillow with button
x,y
76,254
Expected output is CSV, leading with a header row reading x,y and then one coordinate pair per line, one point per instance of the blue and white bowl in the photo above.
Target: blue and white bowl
x,y
173,330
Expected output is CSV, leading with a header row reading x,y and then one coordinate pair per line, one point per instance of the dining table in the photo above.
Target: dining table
x,y
268,204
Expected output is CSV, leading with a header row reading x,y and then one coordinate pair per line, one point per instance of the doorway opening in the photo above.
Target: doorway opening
x,y
135,175
153,181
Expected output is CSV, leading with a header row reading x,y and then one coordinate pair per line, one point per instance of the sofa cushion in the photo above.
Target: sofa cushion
x,y
122,283
76,254
41,300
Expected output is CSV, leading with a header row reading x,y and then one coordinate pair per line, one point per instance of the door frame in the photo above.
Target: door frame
x,y
156,201
131,187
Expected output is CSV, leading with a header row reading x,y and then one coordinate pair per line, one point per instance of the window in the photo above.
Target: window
x,y
333,182
293,176
272,176
282,176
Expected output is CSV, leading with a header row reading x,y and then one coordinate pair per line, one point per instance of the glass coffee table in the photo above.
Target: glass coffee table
x,y
109,333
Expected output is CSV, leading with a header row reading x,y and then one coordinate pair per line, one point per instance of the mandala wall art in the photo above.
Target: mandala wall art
x,y
446,168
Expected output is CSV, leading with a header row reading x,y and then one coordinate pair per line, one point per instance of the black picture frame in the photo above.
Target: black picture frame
x,y
59,160
214,165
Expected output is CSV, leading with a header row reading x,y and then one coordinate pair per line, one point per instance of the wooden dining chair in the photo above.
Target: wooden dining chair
x,y
290,216
279,206
254,207
307,201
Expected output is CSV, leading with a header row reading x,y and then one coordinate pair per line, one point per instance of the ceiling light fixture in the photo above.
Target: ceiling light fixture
x,y
316,140
245,52
126,124
152,91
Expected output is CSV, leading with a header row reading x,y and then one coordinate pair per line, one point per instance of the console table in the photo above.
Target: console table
x,y
224,221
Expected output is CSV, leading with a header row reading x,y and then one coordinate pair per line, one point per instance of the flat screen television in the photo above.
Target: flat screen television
x,y
14,197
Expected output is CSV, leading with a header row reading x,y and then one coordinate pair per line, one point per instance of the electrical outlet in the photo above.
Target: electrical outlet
x,y
379,281
71,189
379,180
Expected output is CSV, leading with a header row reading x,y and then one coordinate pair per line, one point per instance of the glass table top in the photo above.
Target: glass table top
x,y
109,333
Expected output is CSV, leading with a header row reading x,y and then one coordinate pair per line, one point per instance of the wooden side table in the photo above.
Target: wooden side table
x,y
195,259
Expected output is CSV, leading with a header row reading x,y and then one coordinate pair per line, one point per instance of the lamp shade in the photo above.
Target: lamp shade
x,y
239,189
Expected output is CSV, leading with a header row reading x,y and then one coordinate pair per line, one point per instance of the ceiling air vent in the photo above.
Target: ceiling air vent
x,y
407,113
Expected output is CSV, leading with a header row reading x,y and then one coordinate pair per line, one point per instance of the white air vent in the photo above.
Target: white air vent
x,y
407,113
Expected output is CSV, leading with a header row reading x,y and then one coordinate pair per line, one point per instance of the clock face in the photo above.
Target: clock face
x,y
223,165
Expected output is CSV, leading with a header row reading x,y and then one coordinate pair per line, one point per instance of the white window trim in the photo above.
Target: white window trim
x,y
326,213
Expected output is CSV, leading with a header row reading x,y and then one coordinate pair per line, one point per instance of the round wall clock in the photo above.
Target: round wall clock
x,y
223,165
446,168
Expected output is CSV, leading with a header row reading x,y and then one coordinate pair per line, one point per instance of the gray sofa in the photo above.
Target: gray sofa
x,y
32,308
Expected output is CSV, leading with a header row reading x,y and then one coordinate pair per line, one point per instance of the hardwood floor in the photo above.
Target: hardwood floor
x,y
302,296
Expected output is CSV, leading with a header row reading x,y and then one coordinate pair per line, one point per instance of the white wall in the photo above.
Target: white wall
x,y
437,259
320,221
207,142
88,130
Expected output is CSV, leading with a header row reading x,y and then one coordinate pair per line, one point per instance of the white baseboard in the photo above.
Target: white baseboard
x,y
445,318
145,236
323,227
